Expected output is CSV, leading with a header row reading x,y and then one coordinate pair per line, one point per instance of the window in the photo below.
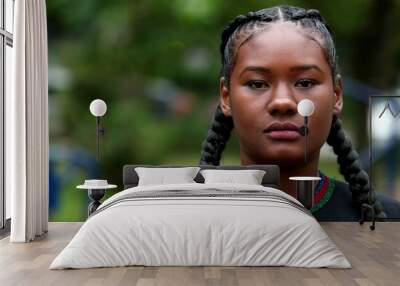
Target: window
x,y
6,44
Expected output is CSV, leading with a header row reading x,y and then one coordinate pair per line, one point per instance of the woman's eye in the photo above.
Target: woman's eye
x,y
257,84
305,83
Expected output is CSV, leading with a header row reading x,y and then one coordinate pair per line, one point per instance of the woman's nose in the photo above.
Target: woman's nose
x,y
282,102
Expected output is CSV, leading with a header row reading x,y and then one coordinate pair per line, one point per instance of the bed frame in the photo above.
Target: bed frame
x,y
270,179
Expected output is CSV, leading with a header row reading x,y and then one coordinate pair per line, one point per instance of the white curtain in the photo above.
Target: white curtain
x,y
27,140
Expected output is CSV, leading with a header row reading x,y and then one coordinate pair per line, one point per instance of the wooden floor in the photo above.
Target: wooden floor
x,y
374,255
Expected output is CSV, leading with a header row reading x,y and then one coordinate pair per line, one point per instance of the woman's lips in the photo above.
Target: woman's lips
x,y
283,134
283,131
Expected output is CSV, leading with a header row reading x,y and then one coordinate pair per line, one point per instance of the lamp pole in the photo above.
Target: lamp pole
x,y
306,139
98,137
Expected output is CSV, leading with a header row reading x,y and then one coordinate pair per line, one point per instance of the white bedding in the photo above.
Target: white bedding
x,y
182,231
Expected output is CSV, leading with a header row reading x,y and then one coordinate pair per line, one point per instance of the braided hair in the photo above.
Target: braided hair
x,y
240,30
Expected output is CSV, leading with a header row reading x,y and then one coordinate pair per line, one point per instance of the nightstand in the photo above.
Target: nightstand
x,y
305,189
96,191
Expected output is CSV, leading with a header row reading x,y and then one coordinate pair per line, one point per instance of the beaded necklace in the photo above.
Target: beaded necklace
x,y
323,192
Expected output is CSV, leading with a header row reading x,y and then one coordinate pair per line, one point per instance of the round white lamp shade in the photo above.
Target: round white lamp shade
x,y
305,107
98,107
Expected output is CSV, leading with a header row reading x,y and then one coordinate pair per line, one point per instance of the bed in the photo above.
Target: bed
x,y
201,223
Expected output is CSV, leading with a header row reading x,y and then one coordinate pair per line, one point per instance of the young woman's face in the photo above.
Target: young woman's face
x,y
273,71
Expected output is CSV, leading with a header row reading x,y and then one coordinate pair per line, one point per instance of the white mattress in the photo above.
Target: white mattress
x,y
183,231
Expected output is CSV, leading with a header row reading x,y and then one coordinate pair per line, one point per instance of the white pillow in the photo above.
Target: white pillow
x,y
249,177
167,175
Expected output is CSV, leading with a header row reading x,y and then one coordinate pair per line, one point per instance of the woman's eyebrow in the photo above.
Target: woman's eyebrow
x,y
306,67
261,69
258,69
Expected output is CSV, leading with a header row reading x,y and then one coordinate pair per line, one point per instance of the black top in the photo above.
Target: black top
x,y
340,206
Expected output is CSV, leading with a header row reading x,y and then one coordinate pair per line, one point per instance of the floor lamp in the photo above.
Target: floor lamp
x,y
98,108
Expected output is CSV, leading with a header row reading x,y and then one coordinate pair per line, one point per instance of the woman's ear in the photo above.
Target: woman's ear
x,y
338,92
224,97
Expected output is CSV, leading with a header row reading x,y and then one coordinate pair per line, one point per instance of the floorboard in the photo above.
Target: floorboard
x,y
374,255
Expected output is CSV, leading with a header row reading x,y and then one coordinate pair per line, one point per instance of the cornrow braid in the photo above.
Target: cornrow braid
x,y
311,14
238,22
248,24
232,26
216,139
350,168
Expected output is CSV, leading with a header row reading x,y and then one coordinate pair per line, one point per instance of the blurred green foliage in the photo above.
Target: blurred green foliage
x,y
118,50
